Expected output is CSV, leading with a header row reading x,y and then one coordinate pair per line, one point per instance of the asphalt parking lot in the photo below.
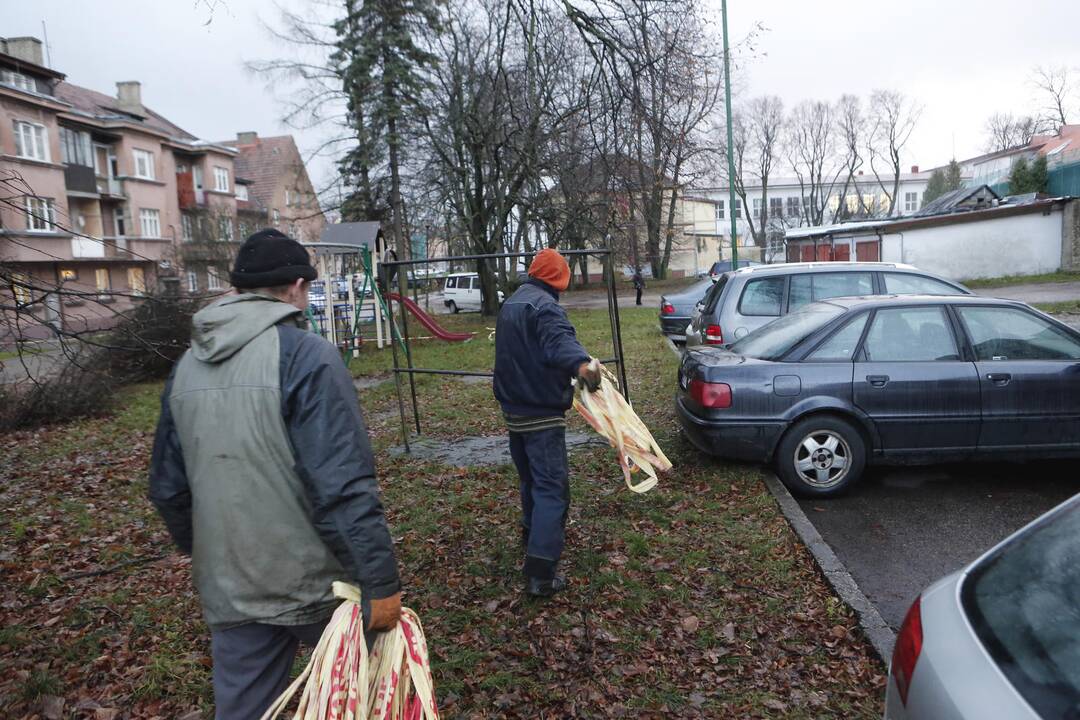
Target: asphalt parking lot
x,y
902,528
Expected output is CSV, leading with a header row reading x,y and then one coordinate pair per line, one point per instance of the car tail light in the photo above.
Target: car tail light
x,y
714,335
667,309
907,649
710,395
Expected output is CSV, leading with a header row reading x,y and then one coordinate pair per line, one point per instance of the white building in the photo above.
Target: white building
x,y
790,202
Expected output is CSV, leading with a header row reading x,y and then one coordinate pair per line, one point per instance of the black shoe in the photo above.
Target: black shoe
x,y
545,588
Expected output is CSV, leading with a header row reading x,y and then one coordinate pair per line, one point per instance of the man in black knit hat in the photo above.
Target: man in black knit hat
x,y
263,473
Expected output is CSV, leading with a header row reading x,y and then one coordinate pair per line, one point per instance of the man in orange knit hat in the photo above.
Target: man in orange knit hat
x,y
537,357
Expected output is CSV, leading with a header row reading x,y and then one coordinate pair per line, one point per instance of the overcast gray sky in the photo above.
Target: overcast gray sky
x,y
962,59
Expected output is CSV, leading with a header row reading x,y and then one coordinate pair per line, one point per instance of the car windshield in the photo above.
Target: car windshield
x,y
1022,602
773,340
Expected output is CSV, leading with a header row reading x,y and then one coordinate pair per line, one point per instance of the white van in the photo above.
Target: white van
x,y
461,291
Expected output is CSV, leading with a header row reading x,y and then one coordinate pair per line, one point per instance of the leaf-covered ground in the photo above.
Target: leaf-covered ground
x,y
694,600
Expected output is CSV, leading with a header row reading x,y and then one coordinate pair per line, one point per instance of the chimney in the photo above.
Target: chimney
x,y
25,48
247,137
129,97
914,169
860,172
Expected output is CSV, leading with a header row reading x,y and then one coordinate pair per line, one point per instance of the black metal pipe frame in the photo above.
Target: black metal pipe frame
x,y
408,358
613,316
385,277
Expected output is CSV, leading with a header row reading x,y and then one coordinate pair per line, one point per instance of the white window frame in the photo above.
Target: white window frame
x,y
221,179
720,210
288,199
150,222
213,279
18,80
225,229
242,192
102,287
31,141
275,215
187,227
76,147
143,157
192,281
40,214
911,201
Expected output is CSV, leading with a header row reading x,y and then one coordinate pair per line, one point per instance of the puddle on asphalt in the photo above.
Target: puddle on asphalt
x,y
494,450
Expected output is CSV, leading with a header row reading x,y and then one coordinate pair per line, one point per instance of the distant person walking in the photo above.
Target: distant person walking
x,y
639,284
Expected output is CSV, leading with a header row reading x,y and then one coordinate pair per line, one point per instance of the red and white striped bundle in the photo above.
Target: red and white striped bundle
x,y
343,682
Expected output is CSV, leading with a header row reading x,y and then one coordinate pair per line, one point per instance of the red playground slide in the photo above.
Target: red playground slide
x,y
428,322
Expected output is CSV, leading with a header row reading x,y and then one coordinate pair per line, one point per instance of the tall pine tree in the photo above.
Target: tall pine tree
x,y
1020,177
383,74
935,187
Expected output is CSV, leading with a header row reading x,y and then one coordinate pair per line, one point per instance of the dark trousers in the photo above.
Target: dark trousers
x,y
252,664
540,459
638,295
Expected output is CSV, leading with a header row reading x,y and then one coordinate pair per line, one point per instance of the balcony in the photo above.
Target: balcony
x,y
110,188
188,195
80,179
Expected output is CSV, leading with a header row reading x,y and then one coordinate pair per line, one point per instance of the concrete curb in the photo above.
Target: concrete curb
x,y
878,632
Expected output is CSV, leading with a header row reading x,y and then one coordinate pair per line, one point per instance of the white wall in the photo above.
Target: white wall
x,y
1018,245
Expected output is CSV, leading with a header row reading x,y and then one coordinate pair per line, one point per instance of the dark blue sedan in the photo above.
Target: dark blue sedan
x,y
904,379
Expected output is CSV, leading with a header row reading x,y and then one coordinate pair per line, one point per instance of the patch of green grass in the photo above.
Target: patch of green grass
x,y
1007,280
77,513
1071,307
13,635
41,682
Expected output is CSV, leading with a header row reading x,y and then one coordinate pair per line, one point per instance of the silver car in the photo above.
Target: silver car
x,y
1000,638
743,300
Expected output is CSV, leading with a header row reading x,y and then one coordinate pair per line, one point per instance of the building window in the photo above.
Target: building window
x,y
213,281
40,214
20,288
150,222
120,221
225,229
275,216
793,207
17,79
911,201
719,209
69,275
144,164
192,281
245,229
75,147
241,192
101,280
221,179
136,281
776,207
31,141
187,227
196,176
738,208
757,208
288,199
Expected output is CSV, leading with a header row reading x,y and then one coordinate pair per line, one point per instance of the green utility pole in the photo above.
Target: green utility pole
x,y
730,144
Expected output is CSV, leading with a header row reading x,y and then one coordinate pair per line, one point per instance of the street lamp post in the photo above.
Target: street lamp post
x,y
730,143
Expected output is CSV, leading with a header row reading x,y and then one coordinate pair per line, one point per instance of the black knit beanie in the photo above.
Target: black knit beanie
x,y
270,258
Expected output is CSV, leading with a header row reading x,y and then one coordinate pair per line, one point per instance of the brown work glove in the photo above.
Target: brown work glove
x,y
385,613
589,374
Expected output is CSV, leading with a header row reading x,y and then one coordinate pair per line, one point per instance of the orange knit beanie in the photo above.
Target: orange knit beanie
x,y
551,267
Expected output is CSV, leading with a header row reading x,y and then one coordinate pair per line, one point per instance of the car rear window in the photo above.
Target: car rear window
x,y
1024,604
912,284
713,297
762,297
774,340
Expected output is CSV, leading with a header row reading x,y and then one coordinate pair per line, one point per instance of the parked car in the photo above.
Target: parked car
x,y
836,384
676,309
745,299
1001,637
461,291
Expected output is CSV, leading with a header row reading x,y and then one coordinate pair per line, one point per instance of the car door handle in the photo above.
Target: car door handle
x,y
878,381
999,379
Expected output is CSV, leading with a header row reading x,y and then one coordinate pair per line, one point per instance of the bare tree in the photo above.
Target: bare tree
x,y
851,128
1005,131
758,150
1057,92
812,140
893,118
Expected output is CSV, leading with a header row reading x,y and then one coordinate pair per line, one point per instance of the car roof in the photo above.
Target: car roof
x,y
870,301
822,266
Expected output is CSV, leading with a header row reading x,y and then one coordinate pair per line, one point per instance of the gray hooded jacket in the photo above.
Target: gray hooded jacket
x,y
263,472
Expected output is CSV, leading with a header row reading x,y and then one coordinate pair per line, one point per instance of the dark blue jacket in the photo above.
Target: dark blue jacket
x,y
537,353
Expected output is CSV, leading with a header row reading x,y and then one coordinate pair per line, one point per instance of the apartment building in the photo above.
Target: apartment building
x,y
276,182
100,193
